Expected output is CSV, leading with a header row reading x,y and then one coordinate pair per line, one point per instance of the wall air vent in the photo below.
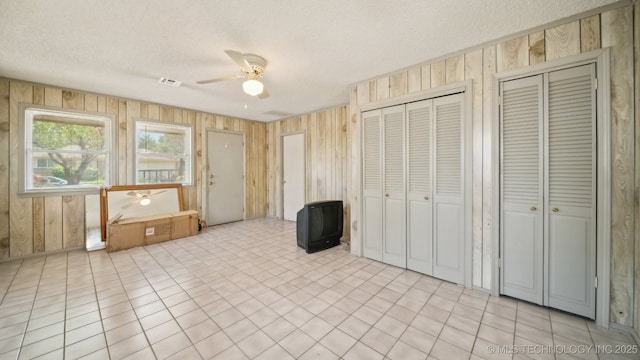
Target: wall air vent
x,y
170,82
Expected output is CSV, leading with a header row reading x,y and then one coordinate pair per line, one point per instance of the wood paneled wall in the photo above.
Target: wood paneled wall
x,y
4,169
617,33
327,158
30,225
612,29
636,55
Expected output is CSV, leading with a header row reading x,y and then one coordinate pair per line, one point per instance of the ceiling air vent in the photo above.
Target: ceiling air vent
x,y
170,82
280,114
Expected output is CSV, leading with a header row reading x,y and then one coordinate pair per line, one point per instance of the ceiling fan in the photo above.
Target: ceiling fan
x,y
252,69
141,197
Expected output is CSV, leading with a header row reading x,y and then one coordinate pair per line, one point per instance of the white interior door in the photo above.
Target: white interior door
x,y
571,183
372,184
521,228
449,225
293,175
419,198
394,201
225,177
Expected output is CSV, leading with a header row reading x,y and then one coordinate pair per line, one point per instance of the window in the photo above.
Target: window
x,y
65,151
45,163
163,153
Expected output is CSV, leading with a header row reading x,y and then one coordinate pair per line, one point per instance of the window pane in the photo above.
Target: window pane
x,y
163,153
70,174
162,143
70,135
153,170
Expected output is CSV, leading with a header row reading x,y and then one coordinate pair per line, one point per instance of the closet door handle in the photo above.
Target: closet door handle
x,y
386,195
555,210
426,197
533,208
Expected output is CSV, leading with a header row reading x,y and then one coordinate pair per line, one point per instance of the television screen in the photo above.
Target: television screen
x,y
319,225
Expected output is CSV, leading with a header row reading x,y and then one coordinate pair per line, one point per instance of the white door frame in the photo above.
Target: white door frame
x,y
466,88
603,197
205,170
280,213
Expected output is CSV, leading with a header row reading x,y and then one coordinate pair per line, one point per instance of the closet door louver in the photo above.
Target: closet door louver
x,y
419,160
448,150
372,183
571,171
571,136
372,171
419,147
394,201
521,188
448,200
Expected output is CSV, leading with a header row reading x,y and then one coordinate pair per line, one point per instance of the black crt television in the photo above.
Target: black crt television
x,y
319,225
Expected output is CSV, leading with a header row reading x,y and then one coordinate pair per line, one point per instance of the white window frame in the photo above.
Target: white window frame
x,y
27,113
188,130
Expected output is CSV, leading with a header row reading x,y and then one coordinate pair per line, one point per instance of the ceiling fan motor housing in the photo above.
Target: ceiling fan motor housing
x,y
257,63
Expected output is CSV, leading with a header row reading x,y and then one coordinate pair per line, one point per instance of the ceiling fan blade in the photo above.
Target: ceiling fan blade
x,y
220,79
264,94
133,193
237,57
157,192
126,206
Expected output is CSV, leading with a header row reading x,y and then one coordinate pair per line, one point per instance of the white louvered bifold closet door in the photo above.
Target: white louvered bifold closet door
x,y
448,219
394,201
548,188
521,228
571,183
419,202
372,184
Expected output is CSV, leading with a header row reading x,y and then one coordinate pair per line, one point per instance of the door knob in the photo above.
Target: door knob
x,y
210,176
555,210
211,183
533,208
426,197
284,181
386,195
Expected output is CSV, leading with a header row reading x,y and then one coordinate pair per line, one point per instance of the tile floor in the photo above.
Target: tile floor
x,y
246,291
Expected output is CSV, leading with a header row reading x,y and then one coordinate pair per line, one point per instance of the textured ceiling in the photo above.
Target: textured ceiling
x,y
315,49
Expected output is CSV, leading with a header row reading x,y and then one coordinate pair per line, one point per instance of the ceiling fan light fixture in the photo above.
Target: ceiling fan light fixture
x,y
145,201
252,87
